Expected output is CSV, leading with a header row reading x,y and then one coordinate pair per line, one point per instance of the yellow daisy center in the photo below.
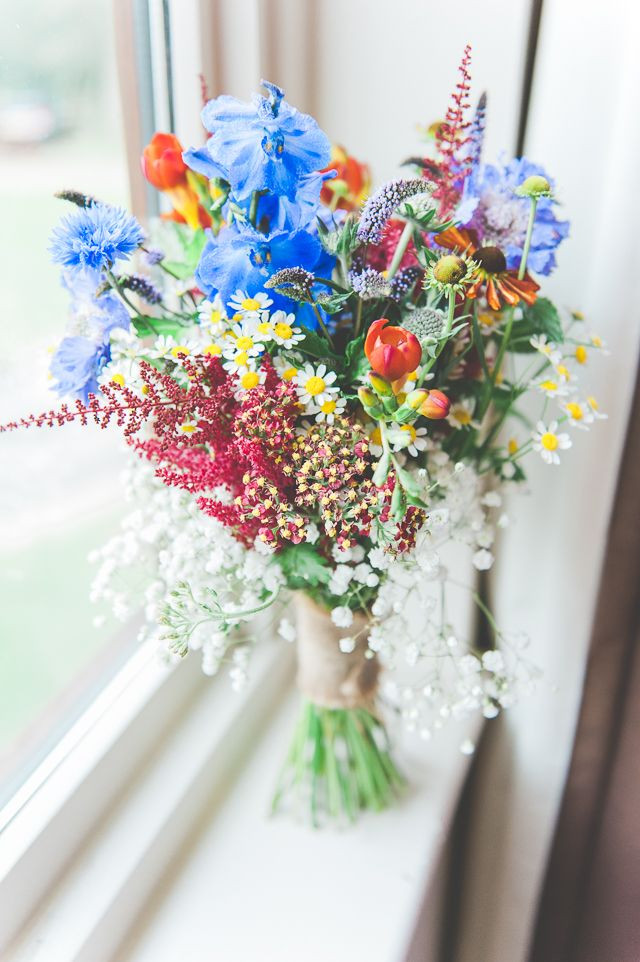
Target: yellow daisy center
x,y
376,436
328,407
410,430
593,404
563,371
289,374
462,416
574,410
512,446
549,441
187,428
241,359
549,386
238,316
581,354
314,386
283,330
118,379
145,388
180,349
244,343
251,304
596,341
249,379
401,397
264,327
214,350
487,320
215,316
413,376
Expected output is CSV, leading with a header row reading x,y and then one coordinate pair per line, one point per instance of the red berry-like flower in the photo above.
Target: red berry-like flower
x,y
435,406
391,351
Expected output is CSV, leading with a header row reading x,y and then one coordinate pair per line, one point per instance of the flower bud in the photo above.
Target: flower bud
x,y
380,385
416,398
534,186
366,397
391,351
450,269
435,406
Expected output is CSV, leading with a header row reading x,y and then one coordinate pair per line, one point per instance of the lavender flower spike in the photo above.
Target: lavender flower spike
x,y
384,202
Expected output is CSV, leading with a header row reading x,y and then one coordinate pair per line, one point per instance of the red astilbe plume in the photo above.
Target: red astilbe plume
x,y
451,168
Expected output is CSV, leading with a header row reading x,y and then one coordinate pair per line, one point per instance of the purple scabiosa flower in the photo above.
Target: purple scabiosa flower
x,y
369,284
386,200
263,145
95,237
76,365
490,206
241,258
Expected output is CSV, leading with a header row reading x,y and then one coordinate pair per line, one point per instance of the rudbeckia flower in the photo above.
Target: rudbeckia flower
x,y
492,276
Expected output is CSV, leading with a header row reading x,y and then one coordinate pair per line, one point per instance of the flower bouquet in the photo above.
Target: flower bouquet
x,y
322,386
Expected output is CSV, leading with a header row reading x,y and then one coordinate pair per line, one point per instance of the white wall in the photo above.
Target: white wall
x,y
584,126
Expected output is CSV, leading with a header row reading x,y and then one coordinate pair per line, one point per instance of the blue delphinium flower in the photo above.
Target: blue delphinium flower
x,y
243,258
95,237
76,365
91,314
263,145
490,206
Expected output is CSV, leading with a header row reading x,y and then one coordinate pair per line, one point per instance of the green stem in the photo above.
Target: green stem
x,y
444,336
323,326
358,320
400,250
527,241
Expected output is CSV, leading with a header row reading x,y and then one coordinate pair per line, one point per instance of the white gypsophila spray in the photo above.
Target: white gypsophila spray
x,y
197,583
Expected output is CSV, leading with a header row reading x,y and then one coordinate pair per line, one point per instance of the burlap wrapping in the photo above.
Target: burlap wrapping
x,y
328,676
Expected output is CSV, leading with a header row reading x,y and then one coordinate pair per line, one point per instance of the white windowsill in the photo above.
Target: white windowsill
x,y
186,864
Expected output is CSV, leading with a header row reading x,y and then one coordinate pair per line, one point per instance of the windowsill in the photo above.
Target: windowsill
x,y
186,864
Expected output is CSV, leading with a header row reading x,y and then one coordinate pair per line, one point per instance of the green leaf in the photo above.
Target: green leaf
x,y
541,318
333,303
192,243
316,346
356,362
154,326
302,566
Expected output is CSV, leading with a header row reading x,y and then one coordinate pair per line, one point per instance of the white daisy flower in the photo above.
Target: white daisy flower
x,y
283,331
407,438
162,347
213,348
212,317
595,409
599,344
286,369
242,340
249,379
329,409
563,372
548,442
187,427
248,306
374,434
540,343
314,387
552,388
124,371
580,414
461,414
240,363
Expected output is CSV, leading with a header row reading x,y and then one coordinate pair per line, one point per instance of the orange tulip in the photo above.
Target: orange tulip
x,y
391,351
435,406
163,166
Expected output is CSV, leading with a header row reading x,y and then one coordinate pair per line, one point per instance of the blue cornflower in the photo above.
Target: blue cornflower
x,y
490,206
241,258
263,145
76,365
95,237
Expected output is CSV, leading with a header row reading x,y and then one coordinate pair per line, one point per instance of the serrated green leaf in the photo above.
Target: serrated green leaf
x,y
541,318
302,566
316,346
333,303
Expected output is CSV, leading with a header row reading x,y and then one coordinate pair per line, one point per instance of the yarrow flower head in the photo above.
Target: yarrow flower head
x,y
369,284
263,145
95,237
491,206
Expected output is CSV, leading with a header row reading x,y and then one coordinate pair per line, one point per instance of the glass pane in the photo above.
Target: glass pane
x,y
60,127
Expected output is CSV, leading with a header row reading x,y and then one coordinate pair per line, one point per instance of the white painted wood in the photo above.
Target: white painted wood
x,y
252,887
585,129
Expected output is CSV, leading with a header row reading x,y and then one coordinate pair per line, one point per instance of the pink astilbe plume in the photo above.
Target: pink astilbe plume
x,y
452,166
